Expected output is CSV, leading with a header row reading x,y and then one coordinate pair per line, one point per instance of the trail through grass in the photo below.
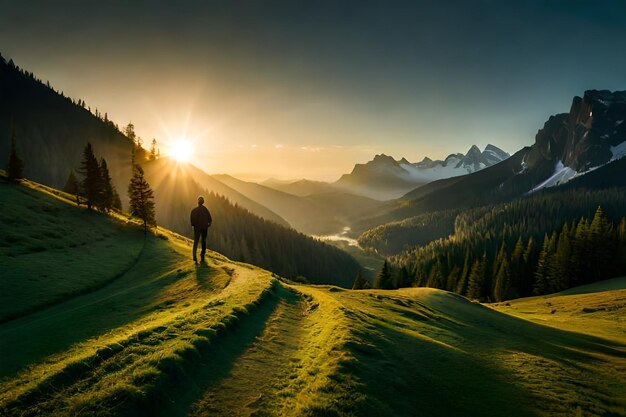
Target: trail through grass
x,y
254,371
138,329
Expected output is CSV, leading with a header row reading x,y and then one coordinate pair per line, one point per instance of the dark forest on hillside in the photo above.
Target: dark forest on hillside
x,y
538,245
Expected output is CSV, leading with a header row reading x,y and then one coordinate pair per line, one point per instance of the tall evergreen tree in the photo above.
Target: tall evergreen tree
x,y
502,288
546,257
462,282
106,199
582,247
153,150
141,198
602,245
359,282
72,186
15,167
562,262
91,185
476,280
436,275
384,280
404,279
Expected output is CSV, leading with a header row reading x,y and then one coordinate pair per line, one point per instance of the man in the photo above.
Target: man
x,y
200,221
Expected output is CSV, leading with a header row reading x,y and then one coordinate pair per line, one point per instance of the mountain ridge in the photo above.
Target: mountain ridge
x,y
386,178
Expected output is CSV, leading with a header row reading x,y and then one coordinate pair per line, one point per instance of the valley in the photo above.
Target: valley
x,y
166,337
407,209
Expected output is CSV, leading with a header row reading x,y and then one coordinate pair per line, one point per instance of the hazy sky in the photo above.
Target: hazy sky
x,y
295,89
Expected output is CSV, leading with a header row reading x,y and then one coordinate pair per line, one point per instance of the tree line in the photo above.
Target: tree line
x,y
498,268
96,190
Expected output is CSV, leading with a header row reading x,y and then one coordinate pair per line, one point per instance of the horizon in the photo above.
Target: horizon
x,y
290,91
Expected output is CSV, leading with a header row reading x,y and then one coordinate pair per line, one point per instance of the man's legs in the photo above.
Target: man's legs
x,y
196,236
203,233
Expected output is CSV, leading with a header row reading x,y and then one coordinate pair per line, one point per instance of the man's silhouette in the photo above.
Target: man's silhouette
x,y
200,221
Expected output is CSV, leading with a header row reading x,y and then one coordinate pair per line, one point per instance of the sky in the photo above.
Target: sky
x,y
306,89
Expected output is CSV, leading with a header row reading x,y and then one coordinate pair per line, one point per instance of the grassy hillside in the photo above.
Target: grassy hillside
x,y
52,250
597,309
163,337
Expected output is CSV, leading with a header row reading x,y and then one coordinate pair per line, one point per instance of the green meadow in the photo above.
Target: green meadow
x,y
98,319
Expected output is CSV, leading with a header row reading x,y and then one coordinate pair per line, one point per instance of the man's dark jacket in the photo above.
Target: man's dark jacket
x,y
201,218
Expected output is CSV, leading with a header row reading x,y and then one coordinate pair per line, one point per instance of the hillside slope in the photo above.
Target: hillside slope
x,y
167,338
598,309
316,214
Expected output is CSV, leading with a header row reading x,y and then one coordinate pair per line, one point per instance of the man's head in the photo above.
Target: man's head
x,y
200,200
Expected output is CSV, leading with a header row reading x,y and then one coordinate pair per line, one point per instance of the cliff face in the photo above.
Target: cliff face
x,y
582,138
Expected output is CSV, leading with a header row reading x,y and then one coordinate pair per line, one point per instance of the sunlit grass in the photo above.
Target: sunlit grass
x,y
164,337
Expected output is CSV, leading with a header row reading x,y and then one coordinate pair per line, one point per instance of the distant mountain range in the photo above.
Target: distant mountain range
x,y
589,141
385,178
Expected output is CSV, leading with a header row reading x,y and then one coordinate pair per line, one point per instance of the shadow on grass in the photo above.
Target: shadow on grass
x,y
139,292
474,372
215,363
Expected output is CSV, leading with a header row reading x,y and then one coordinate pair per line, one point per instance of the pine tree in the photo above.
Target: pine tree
x,y
476,280
528,271
153,150
404,279
117,201
91,185
141,198
359,282
106,200
15,166
462,282
562,262
546,257
502,289
601,236
582,247
383,279
72,187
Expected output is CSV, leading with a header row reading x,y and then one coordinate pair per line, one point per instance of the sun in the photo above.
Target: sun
x,y
181,150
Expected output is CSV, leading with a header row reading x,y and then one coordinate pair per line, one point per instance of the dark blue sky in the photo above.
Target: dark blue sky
x,y
326,82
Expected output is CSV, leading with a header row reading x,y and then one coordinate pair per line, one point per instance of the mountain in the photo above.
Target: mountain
x,y
51,131
301,188
385,178
589,140
301,214
316,214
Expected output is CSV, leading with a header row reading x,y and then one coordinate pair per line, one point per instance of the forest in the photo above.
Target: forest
x,y
537,245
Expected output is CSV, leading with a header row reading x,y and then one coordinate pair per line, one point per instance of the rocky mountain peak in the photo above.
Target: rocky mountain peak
x,y
584,137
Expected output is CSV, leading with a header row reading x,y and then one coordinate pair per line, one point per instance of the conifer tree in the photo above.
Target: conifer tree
x,y
502,289
582,247
601,236
106,199
476,279
153,150
72,187
546,257
359,282
15,167
462,282
383,279
91,185
141,198
562,261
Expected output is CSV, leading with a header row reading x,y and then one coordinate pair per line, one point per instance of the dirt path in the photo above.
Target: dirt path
x,y
258,370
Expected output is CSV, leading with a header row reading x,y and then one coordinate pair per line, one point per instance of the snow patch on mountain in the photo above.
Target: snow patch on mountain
x,y
562,174
618,151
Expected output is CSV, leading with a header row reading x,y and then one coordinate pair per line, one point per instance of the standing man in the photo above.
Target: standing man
x,y
200,221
